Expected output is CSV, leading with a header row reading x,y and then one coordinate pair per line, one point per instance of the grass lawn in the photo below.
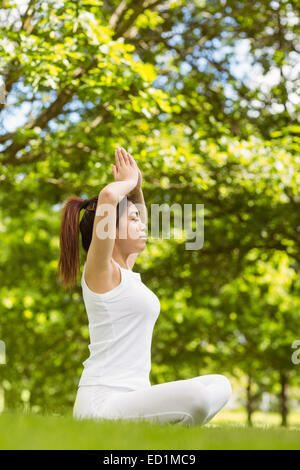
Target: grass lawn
x,y
225,431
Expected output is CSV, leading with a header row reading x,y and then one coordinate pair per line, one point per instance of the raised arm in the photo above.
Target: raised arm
x,y
102,244
138,197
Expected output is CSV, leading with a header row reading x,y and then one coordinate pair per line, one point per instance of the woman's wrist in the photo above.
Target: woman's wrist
x,y
137,188
119,189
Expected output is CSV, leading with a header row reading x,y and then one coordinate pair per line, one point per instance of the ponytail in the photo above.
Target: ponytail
x,y
69,263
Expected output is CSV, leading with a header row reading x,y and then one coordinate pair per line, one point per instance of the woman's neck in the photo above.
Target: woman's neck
x,y
121,263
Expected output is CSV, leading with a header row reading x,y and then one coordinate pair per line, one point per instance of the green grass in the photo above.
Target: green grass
x,y
29,431
258,418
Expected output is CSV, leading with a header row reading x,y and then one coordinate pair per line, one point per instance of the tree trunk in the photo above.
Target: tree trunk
x,y
249,401
284,397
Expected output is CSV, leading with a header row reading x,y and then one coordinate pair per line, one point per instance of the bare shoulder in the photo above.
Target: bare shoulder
x,y
102,278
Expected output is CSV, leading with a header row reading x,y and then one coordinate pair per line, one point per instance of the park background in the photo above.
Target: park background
x,y
204,95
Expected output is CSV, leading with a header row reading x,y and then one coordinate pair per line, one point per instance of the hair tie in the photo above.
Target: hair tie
x,y
93,207
89,205
84,203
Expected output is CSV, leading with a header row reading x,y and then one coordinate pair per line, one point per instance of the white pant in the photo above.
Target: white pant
x,y
190,401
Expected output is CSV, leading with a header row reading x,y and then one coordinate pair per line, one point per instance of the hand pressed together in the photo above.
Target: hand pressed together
x,y
126,168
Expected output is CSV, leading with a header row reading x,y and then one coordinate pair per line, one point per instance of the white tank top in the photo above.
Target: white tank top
x,y
121,323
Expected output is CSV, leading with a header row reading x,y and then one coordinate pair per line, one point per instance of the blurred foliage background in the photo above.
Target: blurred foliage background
x,y
167,81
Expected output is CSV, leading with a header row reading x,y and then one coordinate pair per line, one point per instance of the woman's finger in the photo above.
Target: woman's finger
x,y
114,170
124,153
117,157
131,159
121,158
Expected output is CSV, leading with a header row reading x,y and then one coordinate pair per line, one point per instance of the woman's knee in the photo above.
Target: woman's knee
x,y
223,384
200,403
227,386
221,381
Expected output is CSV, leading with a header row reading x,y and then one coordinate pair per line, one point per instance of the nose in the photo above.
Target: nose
x,y
143,227
143,230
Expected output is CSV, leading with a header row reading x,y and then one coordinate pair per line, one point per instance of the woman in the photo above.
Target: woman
x,y
122,312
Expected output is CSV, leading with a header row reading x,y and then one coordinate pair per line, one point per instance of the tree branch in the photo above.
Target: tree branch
x,y
66,94
14,72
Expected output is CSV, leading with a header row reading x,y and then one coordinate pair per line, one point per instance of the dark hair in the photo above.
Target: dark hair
x,y
69,262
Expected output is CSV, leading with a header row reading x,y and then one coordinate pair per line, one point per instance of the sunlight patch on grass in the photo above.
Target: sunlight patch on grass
x,y
258,418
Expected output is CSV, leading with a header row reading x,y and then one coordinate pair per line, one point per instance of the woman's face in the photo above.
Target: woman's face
x,y
132,238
